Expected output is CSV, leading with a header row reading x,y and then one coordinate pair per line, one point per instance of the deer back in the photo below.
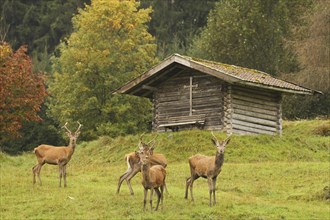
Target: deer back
x,y
201,164
158,159
51,154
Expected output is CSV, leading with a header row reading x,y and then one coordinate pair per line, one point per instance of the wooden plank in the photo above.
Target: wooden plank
x,y
183,120
253,125
254,120
149,87
209,100
255,114
254,100
254,109
180,124
255,96
249,104
168,99
251,90
188,118
206,99
178,103
251,130
237,131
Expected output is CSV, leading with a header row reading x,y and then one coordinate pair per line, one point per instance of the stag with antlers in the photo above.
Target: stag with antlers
x,y
132,159
56,155
207,167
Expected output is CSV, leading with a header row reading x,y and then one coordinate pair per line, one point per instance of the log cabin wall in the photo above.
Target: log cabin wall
x,y
172,99
254,111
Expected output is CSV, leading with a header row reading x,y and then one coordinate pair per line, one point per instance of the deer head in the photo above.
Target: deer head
x,y
147,147
221,145
73,137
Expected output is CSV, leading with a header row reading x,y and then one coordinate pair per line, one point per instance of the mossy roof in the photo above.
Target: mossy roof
x,y
248,75
229,73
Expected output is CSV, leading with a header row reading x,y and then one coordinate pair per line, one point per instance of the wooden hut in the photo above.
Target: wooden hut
x,y
188,92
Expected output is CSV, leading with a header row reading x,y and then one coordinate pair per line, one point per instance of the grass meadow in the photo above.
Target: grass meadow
x,y
263,177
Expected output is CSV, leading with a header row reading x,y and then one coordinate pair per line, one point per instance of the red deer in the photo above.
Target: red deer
x,y
56,155
207,167
134,167
153,179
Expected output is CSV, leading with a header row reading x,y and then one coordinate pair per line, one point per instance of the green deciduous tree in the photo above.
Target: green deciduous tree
x,y
110,45
250,34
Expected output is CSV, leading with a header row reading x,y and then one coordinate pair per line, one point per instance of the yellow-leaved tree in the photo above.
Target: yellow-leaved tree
x,y
110,45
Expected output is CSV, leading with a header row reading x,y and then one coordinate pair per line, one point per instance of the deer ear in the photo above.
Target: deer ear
x,y
151,151
77,134
68,133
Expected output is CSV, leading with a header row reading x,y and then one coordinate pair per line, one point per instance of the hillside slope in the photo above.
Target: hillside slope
x,y
301,141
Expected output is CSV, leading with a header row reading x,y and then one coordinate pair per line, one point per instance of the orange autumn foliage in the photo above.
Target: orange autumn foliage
x,y
22,92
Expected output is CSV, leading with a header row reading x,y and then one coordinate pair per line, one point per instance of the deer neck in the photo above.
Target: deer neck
x,y
219,159
71,148
145,172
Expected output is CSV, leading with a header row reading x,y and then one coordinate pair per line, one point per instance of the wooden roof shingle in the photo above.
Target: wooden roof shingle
x,y
229,73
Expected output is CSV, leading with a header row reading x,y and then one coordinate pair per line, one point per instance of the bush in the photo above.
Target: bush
x,y
306,107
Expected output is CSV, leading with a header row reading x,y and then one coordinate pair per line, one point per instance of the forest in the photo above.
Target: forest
x,y
61,60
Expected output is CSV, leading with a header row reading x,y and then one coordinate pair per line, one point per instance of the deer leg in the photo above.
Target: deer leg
x,y
159,194
122,178
162,195
150,201
188,181
64,175
34,170
209,180
145,198
191,187
60,168
214,183
128,180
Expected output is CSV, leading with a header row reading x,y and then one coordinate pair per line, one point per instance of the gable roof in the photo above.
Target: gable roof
x,y
144,84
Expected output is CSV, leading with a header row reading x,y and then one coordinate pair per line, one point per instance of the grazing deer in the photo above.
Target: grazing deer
x,y
153,178
55,155
134,167
207,167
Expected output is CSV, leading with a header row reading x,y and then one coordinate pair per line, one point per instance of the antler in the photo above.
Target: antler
x,y
214,136
78,127
141,136
154,139
228,138
64,126
140,141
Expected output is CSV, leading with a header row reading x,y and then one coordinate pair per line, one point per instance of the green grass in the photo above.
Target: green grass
x,y
263,177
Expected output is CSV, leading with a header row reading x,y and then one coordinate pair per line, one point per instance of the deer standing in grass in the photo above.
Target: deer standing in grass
x,y
56,155
134,167
207,167
153,178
